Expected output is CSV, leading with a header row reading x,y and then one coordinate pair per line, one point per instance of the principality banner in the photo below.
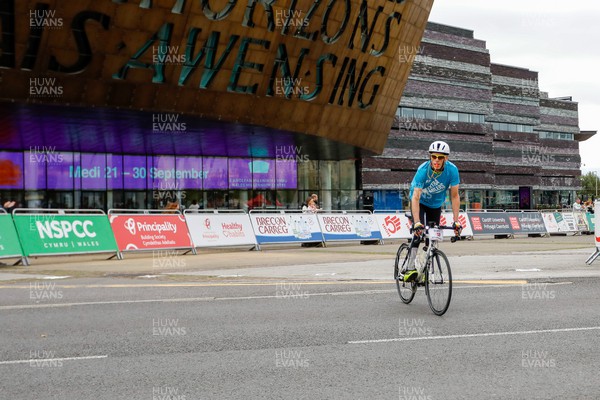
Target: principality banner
x,y
492,223
527,222
286,228
150,231
338,226
47,234
210,229
9,240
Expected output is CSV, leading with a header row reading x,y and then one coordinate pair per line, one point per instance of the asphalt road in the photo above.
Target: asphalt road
x,y
114,339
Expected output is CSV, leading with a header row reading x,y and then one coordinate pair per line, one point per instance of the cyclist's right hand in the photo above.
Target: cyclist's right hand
x,y
418,228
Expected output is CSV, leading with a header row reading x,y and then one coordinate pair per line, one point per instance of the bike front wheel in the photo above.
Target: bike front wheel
x,y
438,283
406,290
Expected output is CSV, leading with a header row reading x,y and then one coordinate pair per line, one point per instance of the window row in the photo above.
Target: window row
x,y
556,135
503,126
183,199
439,115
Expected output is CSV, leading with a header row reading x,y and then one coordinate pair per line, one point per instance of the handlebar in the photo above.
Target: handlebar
x,y
452,239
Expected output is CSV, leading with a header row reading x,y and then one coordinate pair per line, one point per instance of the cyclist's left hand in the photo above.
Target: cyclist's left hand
x,y
457,227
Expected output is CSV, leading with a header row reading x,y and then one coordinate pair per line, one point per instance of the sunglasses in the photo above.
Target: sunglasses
x,y
438,157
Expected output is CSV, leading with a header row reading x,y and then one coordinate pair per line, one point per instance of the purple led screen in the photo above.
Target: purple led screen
x,y
114,171
263,174
41,169
35,168
286,174
61,170
189,173
11,170
134,172
161,175
215,170
92,174
240,176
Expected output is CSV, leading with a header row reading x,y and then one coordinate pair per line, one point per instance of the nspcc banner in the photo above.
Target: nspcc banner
x,y
47,234
393,226
150,231
209,230
348,226
527,222
9,241
493,223
285,228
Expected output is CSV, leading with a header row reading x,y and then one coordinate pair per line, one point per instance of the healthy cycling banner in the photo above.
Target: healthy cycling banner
x,y
9,240
349,226
286,227
447,219
150,231
393,225
47,234
223,229
527,222
490,223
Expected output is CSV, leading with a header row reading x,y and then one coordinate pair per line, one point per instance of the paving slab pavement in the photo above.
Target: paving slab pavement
x,y
519,258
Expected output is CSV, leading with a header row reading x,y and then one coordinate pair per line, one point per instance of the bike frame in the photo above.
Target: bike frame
x,y
432,247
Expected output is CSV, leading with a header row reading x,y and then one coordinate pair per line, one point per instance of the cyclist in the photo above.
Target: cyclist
x,y
428,193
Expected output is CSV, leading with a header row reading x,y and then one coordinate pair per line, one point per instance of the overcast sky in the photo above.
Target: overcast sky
x,y
558,39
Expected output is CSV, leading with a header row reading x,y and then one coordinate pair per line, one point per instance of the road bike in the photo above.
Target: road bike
x,y
432,265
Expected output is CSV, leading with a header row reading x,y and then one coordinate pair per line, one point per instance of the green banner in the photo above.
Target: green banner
x,y
46,234
590,219
9,241
558,216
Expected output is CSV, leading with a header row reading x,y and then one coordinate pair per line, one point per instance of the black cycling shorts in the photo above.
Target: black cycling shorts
x,y
428,214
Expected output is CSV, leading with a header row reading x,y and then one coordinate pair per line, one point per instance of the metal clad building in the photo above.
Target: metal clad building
x,y
515,147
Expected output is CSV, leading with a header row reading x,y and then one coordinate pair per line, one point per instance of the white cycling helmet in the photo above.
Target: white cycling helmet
x,y
439,147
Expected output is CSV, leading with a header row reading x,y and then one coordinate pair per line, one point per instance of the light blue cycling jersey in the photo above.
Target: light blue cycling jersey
x,y
434,187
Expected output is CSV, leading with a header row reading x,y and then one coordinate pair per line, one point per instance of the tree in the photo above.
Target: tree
x,y
589,186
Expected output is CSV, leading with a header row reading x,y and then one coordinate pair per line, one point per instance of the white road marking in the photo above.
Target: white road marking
x,y
199,299
39,360
470,335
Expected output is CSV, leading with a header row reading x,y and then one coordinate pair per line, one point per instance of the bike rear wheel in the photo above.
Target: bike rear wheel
x,y
406,290
438,283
